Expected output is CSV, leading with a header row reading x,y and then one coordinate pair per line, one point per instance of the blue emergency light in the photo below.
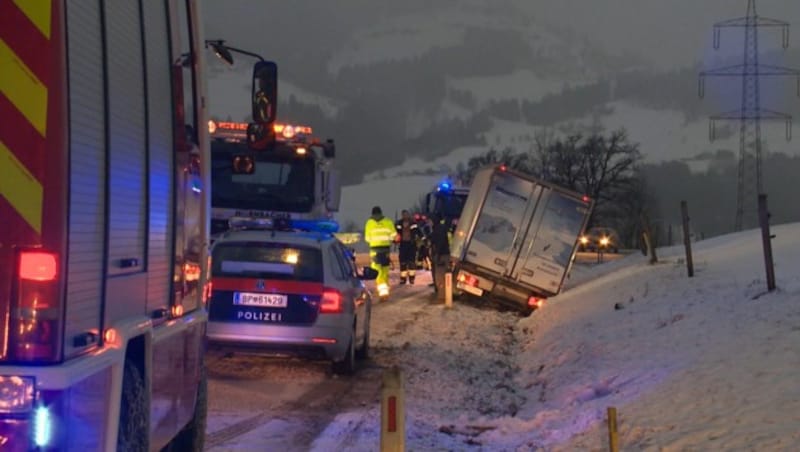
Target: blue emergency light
x,y
326,226
444,186
284,224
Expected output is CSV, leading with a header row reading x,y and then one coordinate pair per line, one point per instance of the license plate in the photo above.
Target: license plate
x,y
264,300
477,291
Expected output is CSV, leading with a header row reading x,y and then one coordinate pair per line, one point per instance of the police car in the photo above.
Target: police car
x,y
289,287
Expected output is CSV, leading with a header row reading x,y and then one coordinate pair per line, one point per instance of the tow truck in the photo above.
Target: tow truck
x,y
292,177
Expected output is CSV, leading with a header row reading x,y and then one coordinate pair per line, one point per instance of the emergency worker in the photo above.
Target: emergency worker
x,y
407,235
440,251
423,256
379,233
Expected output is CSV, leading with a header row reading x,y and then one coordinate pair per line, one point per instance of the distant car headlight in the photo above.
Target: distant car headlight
x,y
604,241
584,240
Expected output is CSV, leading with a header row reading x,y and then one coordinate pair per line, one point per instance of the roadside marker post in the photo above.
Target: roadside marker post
x,y
393,419
613,439
448,290
687,240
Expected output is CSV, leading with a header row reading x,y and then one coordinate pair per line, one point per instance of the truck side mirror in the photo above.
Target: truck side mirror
x,y
333,190
428,209
265,92
329,149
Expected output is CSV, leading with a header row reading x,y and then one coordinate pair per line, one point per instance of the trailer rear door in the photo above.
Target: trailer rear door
x,y
502,222
550,242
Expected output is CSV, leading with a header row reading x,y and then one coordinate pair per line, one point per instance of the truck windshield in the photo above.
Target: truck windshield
x,y
450,204
281,180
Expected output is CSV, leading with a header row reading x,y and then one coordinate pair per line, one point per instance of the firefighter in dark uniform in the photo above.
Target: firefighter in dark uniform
x,y
407,234
440,251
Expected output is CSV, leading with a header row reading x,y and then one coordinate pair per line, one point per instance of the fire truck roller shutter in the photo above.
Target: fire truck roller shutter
x,y
126,283
160,149
87,171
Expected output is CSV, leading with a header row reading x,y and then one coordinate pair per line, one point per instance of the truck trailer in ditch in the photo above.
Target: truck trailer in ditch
x,y
516,238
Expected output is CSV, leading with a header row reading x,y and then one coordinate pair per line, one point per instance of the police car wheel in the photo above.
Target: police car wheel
x,y
363,351
347,366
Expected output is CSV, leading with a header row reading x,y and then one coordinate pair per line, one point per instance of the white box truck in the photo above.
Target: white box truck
x,y
516,238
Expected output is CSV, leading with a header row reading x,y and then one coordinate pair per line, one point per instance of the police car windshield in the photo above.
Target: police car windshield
x,y
281,180
267,261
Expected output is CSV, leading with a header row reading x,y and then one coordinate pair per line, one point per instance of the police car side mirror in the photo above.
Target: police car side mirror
x,y
368,274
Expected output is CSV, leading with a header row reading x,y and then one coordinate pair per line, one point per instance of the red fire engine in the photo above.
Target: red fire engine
x,y
104,208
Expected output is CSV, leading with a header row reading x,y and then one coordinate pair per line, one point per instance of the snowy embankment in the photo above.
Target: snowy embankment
x,y
703,363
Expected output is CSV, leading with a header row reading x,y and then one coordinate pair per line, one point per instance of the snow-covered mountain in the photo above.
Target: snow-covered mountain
x,y
537,48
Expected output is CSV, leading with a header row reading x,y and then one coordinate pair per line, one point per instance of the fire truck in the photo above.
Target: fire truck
x,y
104,204
292,177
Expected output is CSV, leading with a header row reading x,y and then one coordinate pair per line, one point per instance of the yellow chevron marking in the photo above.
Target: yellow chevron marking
x,y
38,11
20,188
23,89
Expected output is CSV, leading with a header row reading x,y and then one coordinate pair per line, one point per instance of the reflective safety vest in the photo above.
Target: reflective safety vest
x,y
379,233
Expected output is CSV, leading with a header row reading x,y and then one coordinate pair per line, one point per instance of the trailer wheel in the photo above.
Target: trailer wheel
x,y
134,422
193,436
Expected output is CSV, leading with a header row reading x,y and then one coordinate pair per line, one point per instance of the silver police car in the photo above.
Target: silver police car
x,y
280,290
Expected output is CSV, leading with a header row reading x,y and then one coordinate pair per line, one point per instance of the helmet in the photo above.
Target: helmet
x,y
377,211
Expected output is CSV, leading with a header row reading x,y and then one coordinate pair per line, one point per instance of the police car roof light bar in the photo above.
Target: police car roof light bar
x,y
283,224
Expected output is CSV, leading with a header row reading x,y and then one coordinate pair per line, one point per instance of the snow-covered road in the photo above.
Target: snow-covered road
x,y
702,363
457,364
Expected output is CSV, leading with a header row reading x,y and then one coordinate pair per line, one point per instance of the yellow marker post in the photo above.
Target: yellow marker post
x,y
393,422
613,440
448,289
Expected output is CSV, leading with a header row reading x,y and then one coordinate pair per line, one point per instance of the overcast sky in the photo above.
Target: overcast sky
x,y
668,32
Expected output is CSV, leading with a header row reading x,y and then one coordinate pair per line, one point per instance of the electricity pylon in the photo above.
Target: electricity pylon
x,y
750,115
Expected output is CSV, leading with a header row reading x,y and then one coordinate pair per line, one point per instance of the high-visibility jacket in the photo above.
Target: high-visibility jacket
x,y
379,233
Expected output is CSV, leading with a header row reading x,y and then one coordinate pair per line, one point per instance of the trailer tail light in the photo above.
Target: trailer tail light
x,y
467,279
536,303
35,319
331,301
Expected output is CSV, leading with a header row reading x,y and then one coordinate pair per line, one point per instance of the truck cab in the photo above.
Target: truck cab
x,y
447,201
294,177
